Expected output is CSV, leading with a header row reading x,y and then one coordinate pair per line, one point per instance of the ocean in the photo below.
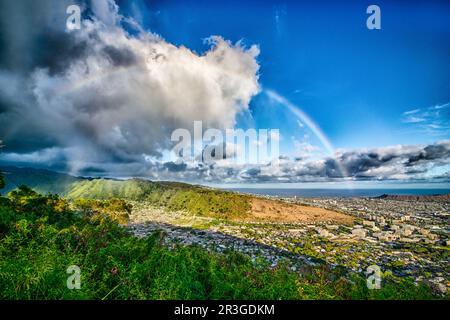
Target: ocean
x,y
317,193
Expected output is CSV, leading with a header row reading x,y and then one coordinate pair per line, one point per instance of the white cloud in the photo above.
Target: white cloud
x,y
434,120
125,94
411,112
412,119
106,11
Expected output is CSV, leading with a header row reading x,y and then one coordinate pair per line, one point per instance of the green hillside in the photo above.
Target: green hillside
x,y
107,188
171,195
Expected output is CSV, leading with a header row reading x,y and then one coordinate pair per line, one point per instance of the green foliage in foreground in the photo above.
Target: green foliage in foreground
x,y
40,236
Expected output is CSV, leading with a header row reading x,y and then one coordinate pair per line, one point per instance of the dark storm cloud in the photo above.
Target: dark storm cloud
x,y
93,171
250,173
384,163
57,50
215,152
431,152
175,167
49,158
331,169
388,163
32,34
120,57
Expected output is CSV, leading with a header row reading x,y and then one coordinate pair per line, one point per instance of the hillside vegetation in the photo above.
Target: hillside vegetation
x,y
171,195
41,236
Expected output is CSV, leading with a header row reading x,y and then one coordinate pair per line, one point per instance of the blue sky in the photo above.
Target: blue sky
x,y
354,82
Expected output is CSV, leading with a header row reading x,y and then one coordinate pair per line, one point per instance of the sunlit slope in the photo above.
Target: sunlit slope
x,y
171,195
107,188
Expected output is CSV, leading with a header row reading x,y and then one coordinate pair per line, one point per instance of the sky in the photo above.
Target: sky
x,y
355,82
351,104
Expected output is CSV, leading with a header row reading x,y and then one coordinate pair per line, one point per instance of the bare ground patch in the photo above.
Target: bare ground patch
x,y
278,211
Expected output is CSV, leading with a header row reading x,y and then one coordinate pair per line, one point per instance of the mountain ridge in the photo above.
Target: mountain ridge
x,y
171,195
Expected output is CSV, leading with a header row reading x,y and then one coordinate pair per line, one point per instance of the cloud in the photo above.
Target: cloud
x,y
411,112
401,162
304,149
106,11
113,97
412,119
436,152
433,120
175,167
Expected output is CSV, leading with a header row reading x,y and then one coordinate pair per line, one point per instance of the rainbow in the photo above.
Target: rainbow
x,y
302,116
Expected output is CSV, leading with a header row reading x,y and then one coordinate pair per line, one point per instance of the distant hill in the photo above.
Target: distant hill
x,y
434,197
43,181
172,195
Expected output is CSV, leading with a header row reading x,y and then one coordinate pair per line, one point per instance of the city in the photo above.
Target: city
x,y
404,237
